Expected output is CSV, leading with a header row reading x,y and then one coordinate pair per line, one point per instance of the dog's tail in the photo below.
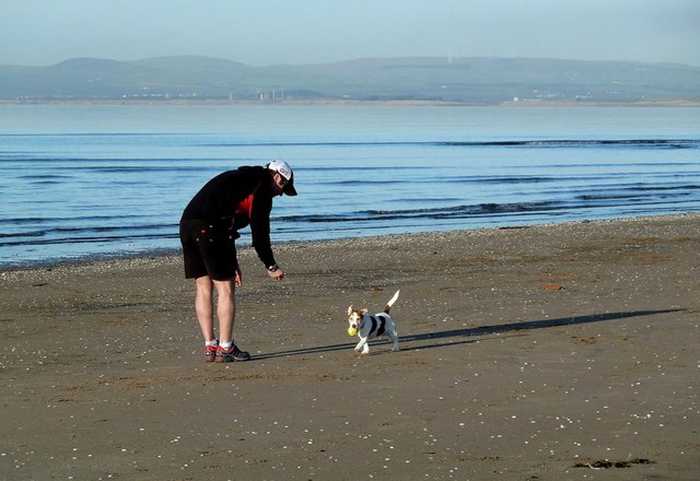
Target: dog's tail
x,y
387,308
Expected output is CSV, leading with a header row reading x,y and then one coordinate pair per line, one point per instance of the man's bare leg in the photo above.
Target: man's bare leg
x,y
225,309
203,307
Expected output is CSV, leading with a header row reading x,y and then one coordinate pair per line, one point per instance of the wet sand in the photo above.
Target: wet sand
x,y
542,353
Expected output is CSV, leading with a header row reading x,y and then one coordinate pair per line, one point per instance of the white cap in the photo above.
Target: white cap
x,y
283,168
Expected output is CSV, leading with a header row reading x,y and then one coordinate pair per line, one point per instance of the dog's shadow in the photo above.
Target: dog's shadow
x,y
471,332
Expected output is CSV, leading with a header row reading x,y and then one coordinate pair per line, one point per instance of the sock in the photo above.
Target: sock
x,y
213,342
226,345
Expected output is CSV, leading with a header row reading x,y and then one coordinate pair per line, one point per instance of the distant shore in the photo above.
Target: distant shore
x,y
351,103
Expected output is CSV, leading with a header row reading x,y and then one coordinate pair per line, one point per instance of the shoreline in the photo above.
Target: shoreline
x,y
165,253
523,103
557,351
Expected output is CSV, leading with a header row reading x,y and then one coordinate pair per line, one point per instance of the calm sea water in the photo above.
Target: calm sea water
x,y
83,181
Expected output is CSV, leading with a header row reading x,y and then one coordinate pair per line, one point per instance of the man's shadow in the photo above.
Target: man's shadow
x,y
471,332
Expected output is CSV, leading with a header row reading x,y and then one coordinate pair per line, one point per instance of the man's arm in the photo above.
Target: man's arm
x,y
260,230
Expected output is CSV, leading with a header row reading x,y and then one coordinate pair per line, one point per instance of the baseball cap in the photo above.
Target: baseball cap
x,y
283,168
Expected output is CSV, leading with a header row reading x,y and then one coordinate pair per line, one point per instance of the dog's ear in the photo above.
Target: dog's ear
x,y
364,311
349,310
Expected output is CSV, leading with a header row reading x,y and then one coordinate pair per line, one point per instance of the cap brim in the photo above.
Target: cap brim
x,y
290,190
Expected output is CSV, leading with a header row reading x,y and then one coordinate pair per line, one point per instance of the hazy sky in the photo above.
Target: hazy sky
x,y
264,32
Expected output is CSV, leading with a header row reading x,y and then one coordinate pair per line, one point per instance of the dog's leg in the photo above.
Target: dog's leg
x,y
361,344
394,339
392,334
365,348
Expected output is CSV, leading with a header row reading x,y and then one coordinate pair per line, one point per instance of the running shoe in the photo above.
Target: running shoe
x,y
210,353
231,354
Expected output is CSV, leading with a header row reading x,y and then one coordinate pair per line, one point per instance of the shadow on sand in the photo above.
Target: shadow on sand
x,y
471,332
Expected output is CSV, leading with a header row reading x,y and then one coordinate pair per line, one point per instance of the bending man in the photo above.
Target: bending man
x,y
208,230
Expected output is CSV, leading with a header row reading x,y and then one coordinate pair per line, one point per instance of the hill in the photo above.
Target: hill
x,y
471,80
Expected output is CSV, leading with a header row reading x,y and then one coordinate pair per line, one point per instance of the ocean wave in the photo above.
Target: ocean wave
x,y
88,240
434,213
589,198
669,143
52,158
512,179
576,143
527,143
364,182
38,177
12,221
118,169
371,219
94,229
99,134
44,238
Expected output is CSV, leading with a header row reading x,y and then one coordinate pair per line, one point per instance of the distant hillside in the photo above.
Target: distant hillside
x,y
472,80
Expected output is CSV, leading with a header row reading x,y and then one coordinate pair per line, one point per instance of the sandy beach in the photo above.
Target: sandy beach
x,y
562,352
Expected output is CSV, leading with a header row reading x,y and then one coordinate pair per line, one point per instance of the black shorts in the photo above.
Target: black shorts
x,y
209,249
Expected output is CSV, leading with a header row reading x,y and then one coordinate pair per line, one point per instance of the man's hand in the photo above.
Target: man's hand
x,y
238,279
276,274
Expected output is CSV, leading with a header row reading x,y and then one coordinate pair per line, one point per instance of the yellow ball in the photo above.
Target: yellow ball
x,y
352,331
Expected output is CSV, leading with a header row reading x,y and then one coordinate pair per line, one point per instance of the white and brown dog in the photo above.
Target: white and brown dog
x,y
367,326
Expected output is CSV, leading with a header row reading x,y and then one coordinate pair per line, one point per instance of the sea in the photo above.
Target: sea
x,y
80,181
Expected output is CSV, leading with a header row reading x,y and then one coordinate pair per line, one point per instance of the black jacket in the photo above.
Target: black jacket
x,y
216,203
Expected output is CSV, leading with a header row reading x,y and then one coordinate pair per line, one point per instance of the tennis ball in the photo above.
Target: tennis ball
x,y
352,331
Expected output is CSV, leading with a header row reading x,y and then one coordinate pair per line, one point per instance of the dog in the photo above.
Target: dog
x,y
367,326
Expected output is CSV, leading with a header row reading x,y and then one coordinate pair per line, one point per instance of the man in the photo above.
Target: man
x,y
208,229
